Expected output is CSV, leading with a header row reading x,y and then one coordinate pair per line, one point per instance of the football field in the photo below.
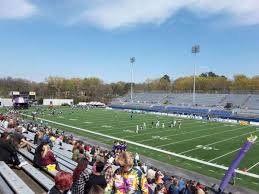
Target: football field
x,y
201,146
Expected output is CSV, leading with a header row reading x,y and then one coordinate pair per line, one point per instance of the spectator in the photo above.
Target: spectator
x,y
47,158
52,138
19,139
108,177
199,188
174,189
151,173
38,138
5,123
181,184
76,152
63,182
96,189
136,159
158,181
46,138
96,178
82,153
128,179
37,155
188,188
8,151
59,140
150,184
160,189
80,177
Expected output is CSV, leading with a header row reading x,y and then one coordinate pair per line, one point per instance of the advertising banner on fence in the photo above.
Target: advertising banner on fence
x,y
241,122
254,123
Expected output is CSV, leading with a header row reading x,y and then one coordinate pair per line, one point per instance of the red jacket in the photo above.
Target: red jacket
x,y
48,159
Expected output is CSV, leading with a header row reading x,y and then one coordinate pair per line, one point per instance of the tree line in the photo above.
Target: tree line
x,y
95,89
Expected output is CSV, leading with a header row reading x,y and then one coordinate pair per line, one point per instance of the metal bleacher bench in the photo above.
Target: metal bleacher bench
x,y
30,156
42,179
4,188
15,183
58,149
63,157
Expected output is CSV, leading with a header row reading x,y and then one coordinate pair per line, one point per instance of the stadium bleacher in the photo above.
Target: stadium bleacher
x,y
238,100
63,154
252,102
181,103
14,181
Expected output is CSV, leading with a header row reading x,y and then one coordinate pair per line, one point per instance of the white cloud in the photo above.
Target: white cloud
x,y
111,14
16,9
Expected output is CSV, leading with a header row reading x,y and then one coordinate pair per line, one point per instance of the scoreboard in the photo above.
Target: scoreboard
x,y
30,96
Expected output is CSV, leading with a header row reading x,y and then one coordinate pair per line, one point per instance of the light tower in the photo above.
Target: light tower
x,y
132,60
195,50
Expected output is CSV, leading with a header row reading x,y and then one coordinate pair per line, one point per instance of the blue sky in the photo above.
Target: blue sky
x,y
83,38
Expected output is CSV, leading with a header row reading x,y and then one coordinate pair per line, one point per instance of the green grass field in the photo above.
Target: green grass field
x,y
216,143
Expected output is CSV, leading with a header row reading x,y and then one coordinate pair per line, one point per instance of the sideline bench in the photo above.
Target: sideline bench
x,y
15,182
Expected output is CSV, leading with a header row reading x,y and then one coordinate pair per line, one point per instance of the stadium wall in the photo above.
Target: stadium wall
x,y
57,102
6,102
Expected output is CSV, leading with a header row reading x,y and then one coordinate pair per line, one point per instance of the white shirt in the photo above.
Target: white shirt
x,y
5,124
137,157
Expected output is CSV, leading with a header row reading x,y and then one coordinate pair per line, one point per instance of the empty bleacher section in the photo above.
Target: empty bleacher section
x,y
212,104
253,102
152,98
237,100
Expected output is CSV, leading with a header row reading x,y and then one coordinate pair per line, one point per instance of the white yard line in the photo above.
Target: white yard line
x,y
125,123
253,166
182,133
154,130
152,148
224,155
168,130
198,137
132,127
219,141
106,126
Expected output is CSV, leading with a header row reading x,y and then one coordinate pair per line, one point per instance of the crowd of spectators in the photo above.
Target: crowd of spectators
x,y
115,171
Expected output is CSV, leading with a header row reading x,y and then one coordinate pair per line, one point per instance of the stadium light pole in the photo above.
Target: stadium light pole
x,y
132,60
195,50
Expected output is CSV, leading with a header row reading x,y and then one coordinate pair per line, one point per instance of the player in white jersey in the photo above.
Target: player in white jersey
x,y
171,124
137,129
179,124
144,125
174,123
163,125
157,123
141,129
